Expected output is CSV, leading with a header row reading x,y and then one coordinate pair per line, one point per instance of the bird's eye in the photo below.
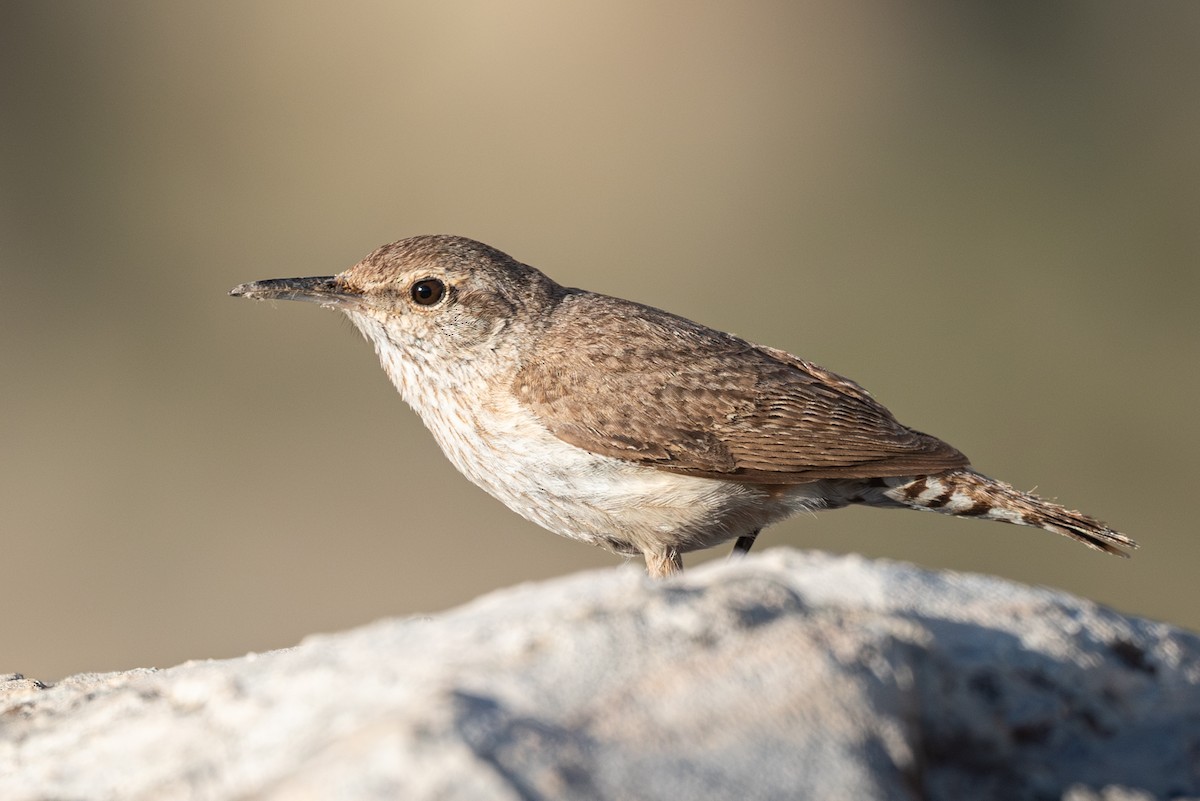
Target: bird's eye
x,y
427,291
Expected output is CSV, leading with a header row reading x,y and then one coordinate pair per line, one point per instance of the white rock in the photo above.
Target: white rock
x,y
785,675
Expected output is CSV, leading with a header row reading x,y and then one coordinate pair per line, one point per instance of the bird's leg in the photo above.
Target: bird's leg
x,y
661,564
744,544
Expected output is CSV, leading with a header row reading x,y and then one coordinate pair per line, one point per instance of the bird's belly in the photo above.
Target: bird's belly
x,y
617,504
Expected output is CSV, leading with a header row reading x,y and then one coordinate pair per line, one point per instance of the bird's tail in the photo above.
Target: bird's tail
x,y
964,493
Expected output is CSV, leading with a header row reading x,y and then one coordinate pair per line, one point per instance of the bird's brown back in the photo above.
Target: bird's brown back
x,y
633,382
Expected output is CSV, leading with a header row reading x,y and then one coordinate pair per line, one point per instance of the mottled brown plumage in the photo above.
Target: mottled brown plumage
x,y
630,428
634,382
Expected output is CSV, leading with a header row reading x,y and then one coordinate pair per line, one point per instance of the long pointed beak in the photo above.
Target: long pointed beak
x,y
326,290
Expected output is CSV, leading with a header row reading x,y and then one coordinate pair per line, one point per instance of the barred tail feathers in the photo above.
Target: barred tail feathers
x,y
965,493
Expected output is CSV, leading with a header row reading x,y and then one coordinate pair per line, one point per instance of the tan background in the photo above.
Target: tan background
x,y
989,214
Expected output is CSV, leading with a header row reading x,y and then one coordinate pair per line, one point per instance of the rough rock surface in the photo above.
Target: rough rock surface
x,y
785,675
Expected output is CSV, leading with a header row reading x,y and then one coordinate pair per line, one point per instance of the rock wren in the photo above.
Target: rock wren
x,y
633,429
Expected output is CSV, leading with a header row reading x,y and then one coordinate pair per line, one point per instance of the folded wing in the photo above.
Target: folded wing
x,y
633,382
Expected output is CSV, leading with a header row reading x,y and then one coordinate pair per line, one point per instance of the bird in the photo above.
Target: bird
x,y
633,429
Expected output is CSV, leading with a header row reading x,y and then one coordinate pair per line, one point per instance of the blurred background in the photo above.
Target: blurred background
x,y
988,214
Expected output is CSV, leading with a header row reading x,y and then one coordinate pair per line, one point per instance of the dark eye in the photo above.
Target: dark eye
x,y
427,291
